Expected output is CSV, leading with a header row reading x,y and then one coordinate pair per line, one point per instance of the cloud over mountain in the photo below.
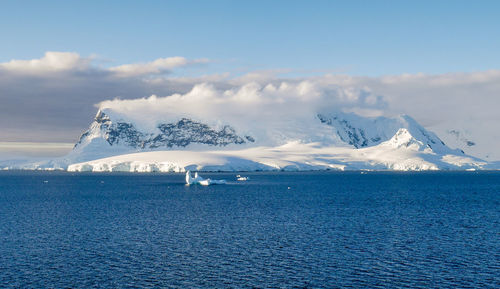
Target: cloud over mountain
x,y
251,100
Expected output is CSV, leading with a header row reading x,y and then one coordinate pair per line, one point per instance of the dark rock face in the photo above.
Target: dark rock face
x,y
459,136
428,138
355,136
101,120
363,132
186,131
178,134
126,133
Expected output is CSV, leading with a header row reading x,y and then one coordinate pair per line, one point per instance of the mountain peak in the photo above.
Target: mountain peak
x,y
179,133
402,135
404,139
361,132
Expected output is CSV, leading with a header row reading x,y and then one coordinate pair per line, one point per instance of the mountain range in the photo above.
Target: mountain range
x,y
321,141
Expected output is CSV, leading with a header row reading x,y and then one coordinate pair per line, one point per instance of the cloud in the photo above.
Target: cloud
x,y
50,62
158,66
208,100
70,61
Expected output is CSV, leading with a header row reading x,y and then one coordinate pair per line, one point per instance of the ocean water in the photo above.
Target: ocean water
x,y
305,230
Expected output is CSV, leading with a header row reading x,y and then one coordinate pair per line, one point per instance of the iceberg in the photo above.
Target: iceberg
x,y
197,180
240,178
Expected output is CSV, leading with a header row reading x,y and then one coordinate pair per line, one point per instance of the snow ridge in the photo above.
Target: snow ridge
x,y
403,138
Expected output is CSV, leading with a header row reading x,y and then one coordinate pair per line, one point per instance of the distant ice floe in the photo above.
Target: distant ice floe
x,y
241,178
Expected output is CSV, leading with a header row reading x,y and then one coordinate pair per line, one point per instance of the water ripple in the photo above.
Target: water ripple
x,y
377,230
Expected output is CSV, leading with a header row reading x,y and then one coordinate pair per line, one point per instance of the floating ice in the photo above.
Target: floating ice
x,y
197,180
240,178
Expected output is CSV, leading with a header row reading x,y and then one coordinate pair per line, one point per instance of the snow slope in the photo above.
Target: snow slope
x,y
402,152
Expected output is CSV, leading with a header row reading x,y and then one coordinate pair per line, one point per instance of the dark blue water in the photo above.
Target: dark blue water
x,y
277,230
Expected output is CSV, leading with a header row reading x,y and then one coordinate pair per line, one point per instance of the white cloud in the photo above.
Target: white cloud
x,y
50,62
158,66
69,61
208,100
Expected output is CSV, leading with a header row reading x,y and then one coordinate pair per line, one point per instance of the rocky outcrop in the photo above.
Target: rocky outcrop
x,y
176,134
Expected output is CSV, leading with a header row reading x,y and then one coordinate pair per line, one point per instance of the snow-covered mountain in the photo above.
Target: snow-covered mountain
x,y
364,132
177,134
107,137
333,140
340,129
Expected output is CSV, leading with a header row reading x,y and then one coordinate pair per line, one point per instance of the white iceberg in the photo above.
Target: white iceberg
x,y
197,180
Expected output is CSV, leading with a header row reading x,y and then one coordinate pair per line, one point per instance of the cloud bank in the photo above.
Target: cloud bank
x,y
251,101
53,98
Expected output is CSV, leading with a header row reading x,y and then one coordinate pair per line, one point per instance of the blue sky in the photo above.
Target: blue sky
x,y
353,37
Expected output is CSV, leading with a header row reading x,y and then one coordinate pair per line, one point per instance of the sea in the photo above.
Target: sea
x,y
276,230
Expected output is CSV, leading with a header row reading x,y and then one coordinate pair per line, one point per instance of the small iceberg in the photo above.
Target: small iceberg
x,y
197,180
240,178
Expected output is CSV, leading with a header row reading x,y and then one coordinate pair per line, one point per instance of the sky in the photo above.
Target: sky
x,y
58,59
356,37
